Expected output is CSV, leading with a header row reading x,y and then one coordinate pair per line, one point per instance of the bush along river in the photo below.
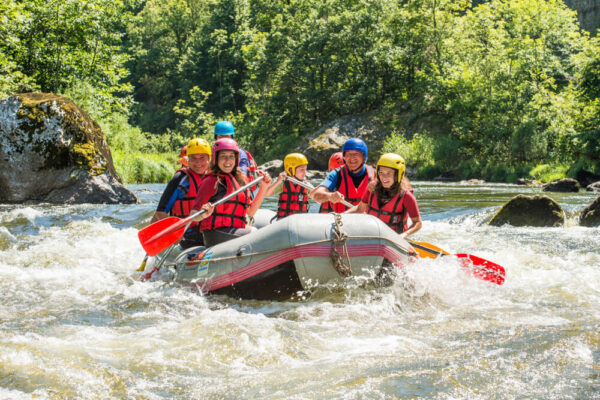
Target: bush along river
x,y
76,323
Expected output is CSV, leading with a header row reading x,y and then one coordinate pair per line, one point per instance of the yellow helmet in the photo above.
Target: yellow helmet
x,y
394,161
293,160
198,146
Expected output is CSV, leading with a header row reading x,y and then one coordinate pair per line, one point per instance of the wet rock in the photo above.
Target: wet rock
x,y
586,178
594,187
472,182
314,174
566,185
330,139
273,167
590,216
52,151
524,210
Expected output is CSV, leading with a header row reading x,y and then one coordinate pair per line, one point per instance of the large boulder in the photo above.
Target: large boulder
x,y
524,210
566,185
594,187
331,137
52,151
273,167
590,216
586,178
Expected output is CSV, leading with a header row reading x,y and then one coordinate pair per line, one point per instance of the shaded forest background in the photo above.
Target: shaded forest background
x,y
508,89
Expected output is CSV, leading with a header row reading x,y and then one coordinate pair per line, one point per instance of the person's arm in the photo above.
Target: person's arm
x,y
206,190
360,208
271,189
166,199
326,191
158,215
415,216
244,161
258,199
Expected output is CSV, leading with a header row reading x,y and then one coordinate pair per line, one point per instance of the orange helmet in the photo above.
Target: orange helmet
x,y
336,160
183,160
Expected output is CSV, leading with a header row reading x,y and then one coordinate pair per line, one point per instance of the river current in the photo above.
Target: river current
x,y
76,323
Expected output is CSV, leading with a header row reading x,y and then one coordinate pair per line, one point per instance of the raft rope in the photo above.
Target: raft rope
x,y
338,238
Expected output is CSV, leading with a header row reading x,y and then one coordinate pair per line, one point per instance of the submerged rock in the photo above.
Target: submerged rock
x,y
52,151
590,216
566,185
472,182
524,210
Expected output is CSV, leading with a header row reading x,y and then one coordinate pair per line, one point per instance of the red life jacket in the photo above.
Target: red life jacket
x,y
347,188
393,213
182,207
232,213
293,200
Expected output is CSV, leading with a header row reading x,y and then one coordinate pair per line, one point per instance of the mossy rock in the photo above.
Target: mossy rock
x,y
47,144
590,216
565,185
524,210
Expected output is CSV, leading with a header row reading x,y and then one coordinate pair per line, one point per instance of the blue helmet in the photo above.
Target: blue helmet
x,y
224,128
356,144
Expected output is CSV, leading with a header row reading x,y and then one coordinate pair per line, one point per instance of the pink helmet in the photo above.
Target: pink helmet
x,y
224,144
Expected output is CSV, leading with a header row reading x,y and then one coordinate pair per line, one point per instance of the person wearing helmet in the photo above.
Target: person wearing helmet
x,y
183,160
227,220
293,198
336,160
347,182
181,191
391,199
224,130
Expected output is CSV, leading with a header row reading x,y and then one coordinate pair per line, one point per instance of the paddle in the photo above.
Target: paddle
x,y
161,234
479,267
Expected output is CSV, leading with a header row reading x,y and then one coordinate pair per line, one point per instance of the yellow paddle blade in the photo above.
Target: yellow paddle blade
x,y
427,250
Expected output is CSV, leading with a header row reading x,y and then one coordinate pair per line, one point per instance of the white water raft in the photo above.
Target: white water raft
x,y
292,255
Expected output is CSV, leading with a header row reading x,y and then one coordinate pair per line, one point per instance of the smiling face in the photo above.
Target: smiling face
x,y
387,176
198,163
226,160
354,159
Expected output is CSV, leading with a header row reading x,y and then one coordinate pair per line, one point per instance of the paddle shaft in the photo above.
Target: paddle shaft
x,y
311,187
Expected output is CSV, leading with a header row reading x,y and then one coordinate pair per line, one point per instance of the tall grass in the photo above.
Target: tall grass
x,y
136,167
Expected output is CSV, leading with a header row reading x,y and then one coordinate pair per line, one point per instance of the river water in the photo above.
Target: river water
x,y
75,323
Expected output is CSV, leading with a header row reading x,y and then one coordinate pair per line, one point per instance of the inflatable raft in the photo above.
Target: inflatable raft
x,y
291,255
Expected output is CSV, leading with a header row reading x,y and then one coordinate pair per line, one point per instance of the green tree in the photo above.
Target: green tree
x,y
159,37
506,63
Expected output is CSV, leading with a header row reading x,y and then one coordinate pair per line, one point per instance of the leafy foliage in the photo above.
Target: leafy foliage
x,y
515,81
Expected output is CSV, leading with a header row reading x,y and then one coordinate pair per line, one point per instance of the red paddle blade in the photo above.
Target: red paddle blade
x,y
483,269
161,234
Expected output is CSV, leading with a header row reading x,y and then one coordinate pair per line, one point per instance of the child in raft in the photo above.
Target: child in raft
x,y
390,197
293,198
227,220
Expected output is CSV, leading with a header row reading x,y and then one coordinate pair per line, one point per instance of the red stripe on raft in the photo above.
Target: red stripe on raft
x,y
313,250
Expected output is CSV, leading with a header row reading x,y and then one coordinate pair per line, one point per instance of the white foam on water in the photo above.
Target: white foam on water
x,y
75,322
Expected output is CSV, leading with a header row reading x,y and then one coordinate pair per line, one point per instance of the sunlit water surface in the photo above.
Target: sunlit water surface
x,y
75,322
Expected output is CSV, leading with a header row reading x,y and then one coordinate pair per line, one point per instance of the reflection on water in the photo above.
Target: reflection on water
x,y
76,323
